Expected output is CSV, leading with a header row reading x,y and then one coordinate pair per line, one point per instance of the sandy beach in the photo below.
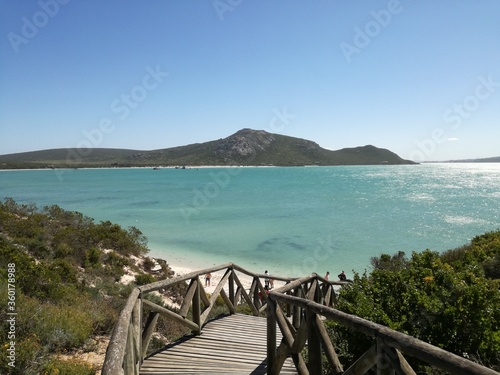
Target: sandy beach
x,y
183,269
216,277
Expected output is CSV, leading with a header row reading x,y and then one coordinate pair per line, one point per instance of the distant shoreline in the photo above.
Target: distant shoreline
x,y
245,166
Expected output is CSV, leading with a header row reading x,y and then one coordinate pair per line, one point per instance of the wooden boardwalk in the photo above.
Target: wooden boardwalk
x,y
234,344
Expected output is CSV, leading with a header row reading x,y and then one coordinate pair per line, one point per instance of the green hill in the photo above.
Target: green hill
x,y
246,147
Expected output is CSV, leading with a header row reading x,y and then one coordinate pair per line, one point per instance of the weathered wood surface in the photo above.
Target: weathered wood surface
x,y
234,344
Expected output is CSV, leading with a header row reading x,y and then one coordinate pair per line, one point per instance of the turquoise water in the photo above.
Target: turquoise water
x,y
291,221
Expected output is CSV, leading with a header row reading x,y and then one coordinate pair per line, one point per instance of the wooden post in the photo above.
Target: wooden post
x,y
227,301
129,359
256,299
311,293
148,332
384,366
314,345
364,363
196,308
297,311
328,295
328,348
271,336
137,325
203,295
231,289
246,297
237,296
401,366
117,349
288,305
193,285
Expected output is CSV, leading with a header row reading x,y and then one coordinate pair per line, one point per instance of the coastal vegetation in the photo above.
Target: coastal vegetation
x,y
65,285
451,300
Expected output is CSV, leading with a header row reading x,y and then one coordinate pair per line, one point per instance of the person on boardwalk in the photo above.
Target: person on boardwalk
x,y
208,276
342,276
327,274
266,281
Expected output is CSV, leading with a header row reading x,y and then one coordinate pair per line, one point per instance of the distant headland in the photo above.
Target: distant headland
x,y
246,147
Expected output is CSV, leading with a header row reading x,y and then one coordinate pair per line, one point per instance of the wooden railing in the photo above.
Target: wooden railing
x,y
310,305
299,309
132,334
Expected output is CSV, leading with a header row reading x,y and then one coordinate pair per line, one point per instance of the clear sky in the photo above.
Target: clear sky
x,y
418,77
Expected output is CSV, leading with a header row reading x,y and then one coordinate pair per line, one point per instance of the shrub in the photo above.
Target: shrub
x,y
67,367
143,279
57,327
492,267
148,264
28,353
93,258
454,308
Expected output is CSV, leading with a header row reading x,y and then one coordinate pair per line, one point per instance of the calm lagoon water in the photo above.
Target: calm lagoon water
x,y
291,221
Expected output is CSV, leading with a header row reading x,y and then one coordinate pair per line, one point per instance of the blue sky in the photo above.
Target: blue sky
x,y
419,77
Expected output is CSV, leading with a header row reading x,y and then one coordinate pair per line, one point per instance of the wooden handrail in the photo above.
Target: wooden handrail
x,y
128,345
308,301
115,353
389,342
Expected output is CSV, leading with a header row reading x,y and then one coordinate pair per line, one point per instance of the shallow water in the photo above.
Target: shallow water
x,y
291,221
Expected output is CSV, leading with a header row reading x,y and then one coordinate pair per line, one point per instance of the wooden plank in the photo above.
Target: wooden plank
x,y
401,366
227,300
234,344
384,365
169,314
363,363
148,332
326,342
214,296
188,298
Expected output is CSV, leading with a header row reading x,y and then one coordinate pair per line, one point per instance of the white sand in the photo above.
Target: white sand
x,y
245,280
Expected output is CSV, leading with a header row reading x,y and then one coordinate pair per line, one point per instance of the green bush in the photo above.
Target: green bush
x,y
28,354
58,327
93,258
67,367
453,307
143,279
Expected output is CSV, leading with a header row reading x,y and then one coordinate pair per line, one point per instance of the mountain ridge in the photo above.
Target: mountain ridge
x,y
246,147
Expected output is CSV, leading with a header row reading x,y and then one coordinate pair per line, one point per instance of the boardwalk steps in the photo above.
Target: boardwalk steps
x,y
233,344
287,322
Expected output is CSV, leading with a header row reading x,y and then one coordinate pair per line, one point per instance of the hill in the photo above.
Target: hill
x,y
246,147
483,160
